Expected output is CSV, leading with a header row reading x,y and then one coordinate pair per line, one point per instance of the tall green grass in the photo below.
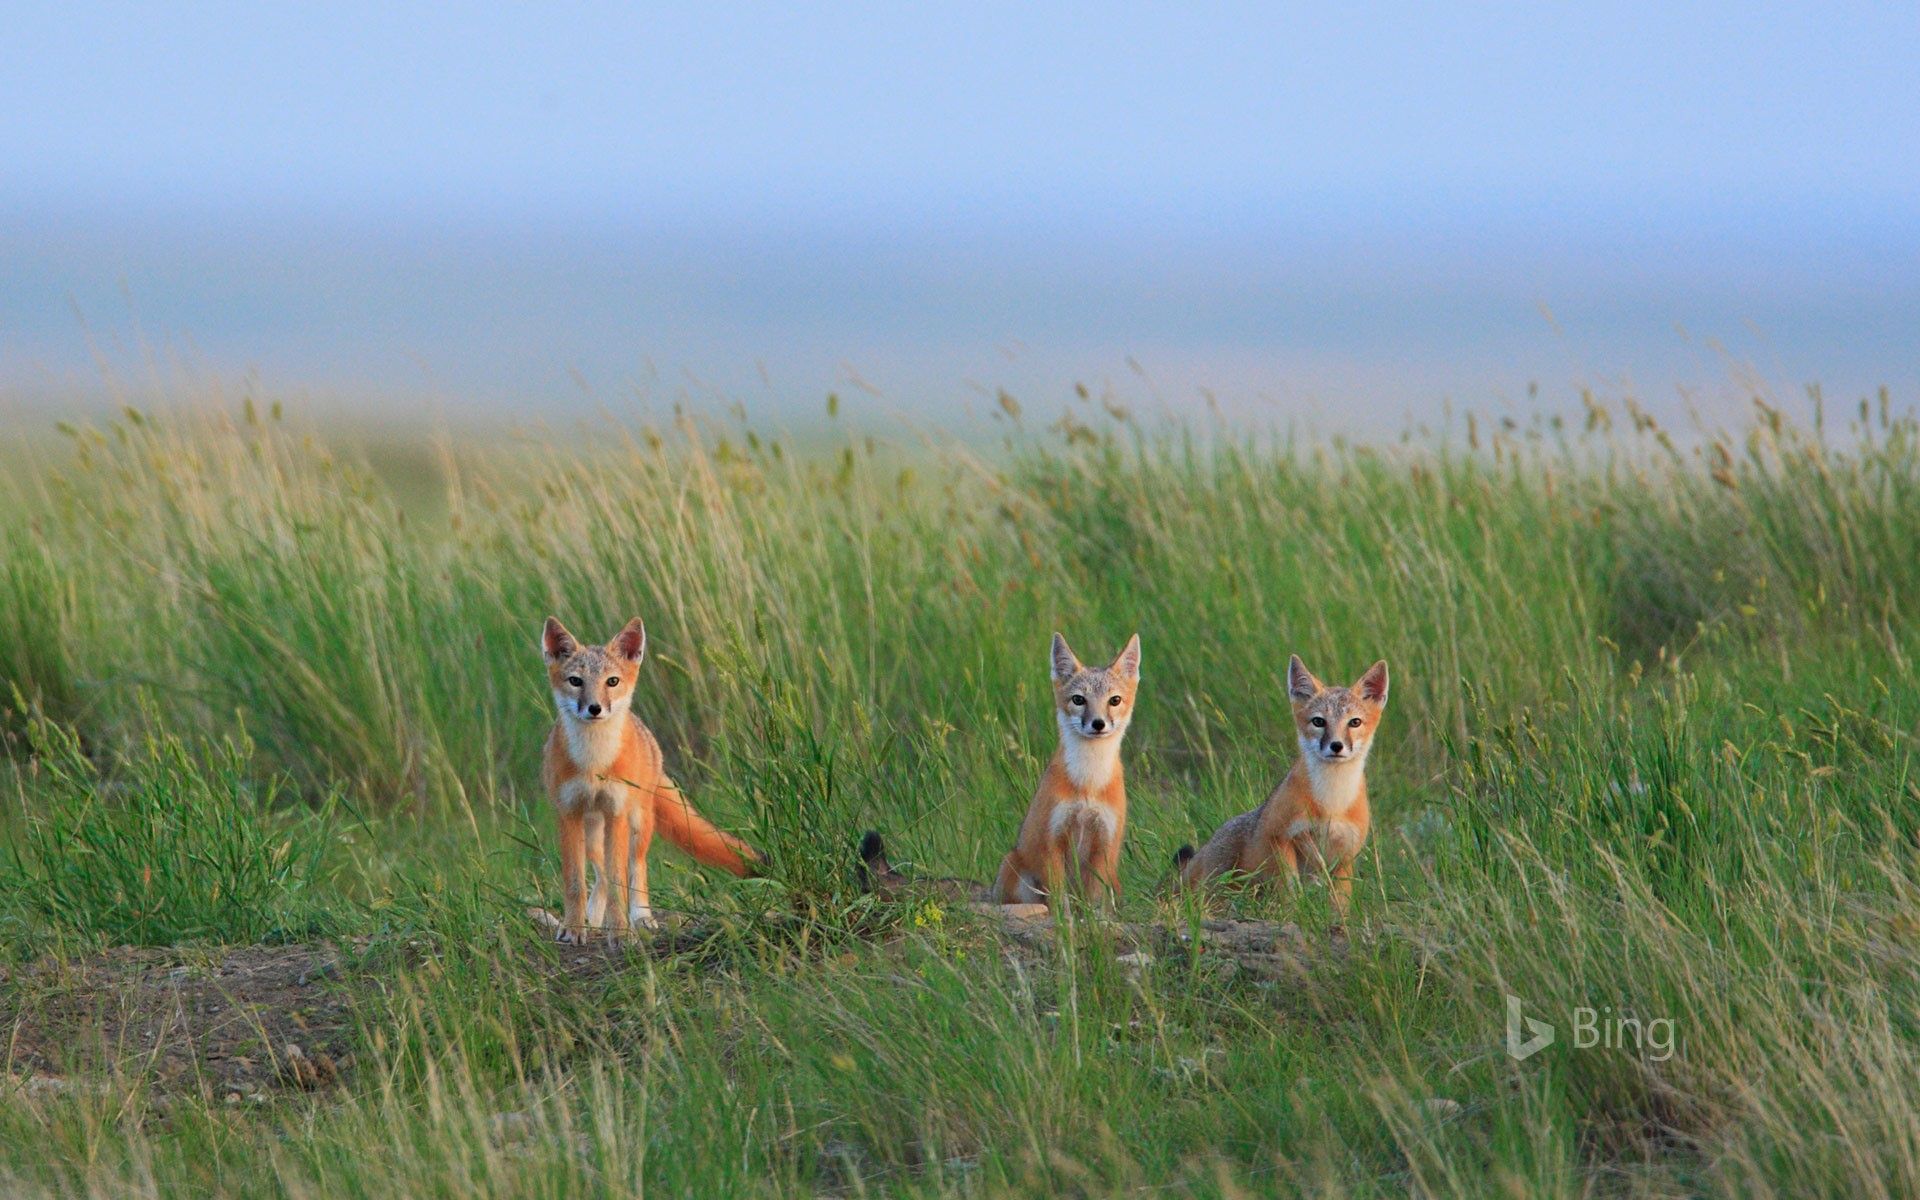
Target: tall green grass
x,y
1651,748
175,843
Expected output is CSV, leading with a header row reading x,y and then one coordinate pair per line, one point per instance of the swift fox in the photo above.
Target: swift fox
x,y
1071,837
1317,818
604,773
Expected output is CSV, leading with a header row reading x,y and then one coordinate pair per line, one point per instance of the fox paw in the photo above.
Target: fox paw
x,y
642,918
570,937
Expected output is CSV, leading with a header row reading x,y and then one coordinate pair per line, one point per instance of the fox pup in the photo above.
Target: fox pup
x,y
1072,833
1317,818
604,773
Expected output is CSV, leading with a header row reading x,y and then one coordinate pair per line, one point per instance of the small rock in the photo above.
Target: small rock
x,y
1020,912
1137,960
41,1086
308,1073
1441,1107
1223,969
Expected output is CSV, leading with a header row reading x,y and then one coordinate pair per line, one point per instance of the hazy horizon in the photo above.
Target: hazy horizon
x,y
1332,220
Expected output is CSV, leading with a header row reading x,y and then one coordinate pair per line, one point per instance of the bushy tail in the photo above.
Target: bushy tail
x,y
674,817
873,859
878,876
1182,857
875,873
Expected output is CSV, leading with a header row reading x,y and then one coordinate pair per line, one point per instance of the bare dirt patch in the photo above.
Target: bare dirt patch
x,y
243,1022
1265,949
232,1022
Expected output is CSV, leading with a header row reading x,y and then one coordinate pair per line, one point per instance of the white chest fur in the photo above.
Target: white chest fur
x,y
1076,814
593,745
595,794
1335,785
1090,762
1326,842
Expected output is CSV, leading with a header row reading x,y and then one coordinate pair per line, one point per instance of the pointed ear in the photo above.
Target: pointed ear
x,y
1128,664
1373,685
555,642
1301,684
1065,665
630,643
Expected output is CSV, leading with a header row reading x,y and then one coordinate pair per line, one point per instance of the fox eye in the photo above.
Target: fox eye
x,y
1079,700
614,681
1317,722
575,681
1113,702
1354,724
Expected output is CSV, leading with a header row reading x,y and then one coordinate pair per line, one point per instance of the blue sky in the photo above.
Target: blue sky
x,y
1082,181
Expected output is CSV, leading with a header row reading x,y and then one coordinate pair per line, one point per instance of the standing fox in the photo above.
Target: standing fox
x,y
1072,833
609,787
1318,814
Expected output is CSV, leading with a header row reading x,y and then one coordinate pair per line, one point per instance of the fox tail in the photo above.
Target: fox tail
x,y
674,817
873,867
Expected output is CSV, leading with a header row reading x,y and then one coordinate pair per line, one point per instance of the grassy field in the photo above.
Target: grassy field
x,y
272,779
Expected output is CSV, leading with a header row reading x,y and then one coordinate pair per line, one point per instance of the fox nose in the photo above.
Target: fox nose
x,y
1334,746
593,710
1098,724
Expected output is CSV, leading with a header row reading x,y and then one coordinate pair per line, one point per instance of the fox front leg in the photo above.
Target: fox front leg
x,y
596,831
639,910
1282,866
573,877
1100,870
1340,886
619,865
1009,886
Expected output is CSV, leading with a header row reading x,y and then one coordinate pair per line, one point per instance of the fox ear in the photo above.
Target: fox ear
x,y
630,643
1065,665
1128,664
1301,684
556,642
1373,685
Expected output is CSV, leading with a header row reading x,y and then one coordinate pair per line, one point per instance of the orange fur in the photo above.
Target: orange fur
x,y
606,776
1071,837
690,831
1317,820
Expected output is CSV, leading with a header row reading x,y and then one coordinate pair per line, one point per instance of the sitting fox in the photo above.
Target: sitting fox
x,y
604,772
1316,819
1071,837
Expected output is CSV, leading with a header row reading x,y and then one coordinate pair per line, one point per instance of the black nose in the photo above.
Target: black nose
x,y
593,710
1335,747
1098,724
